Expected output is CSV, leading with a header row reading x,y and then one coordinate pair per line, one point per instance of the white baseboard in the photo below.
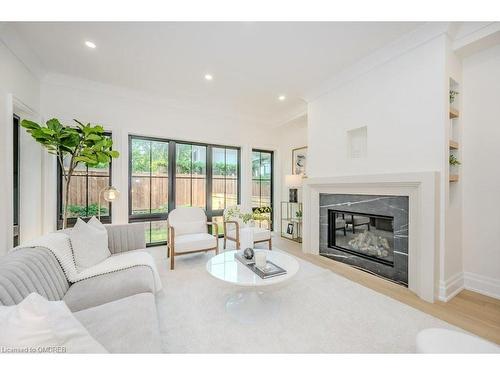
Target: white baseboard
x,y
482,284
451,287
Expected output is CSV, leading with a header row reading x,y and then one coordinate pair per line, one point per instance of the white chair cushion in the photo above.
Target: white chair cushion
x,y
259,234
193,242
188,220
192,227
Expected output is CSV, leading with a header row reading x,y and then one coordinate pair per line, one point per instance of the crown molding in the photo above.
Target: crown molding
x,y
484,35
15,44
404,44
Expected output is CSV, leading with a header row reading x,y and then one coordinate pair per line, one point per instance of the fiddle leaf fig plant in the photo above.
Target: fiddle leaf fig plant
x,y
84,143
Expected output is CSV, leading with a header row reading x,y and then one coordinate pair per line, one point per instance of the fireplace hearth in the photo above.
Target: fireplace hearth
x,y
366,231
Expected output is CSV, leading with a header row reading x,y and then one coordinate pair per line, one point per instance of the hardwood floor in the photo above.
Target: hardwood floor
x,y
468,310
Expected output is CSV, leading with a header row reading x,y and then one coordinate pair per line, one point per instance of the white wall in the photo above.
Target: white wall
x,y
19,93
481,176
125,112
401,104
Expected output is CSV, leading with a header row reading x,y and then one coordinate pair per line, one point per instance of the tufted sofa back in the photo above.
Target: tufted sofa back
x,y
31,270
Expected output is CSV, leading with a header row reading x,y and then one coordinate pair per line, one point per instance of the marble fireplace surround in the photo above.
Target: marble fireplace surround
x,y
422,189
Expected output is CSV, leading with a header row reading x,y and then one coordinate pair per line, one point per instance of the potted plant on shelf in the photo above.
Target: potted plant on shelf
x,y
85,144
454,161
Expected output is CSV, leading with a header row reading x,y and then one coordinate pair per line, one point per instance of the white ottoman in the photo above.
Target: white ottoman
x,y
440,340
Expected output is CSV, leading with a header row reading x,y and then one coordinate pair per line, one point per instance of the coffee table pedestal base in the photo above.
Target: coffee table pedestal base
x,y
251,305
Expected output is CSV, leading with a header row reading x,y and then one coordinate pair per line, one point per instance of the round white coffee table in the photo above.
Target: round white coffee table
x,y
251,302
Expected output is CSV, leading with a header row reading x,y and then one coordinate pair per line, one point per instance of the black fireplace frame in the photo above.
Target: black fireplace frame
x,y
332,234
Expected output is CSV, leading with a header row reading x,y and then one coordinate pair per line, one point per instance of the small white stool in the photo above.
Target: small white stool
x,y
443,341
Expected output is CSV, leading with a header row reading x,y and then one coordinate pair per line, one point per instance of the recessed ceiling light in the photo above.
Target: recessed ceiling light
x,y
90,44
209,77
281,98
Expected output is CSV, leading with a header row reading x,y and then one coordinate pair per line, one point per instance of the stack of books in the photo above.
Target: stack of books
x,y
269,270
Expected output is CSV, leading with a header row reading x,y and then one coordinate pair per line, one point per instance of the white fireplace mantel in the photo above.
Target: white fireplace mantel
x,y
422,188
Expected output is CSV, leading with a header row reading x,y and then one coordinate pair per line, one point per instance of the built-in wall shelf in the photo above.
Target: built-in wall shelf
x,y
454,113
454,153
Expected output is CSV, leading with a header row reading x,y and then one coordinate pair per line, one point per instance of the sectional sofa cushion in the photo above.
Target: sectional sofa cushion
x,y
109,287
34,270
127,325
90,243
37,324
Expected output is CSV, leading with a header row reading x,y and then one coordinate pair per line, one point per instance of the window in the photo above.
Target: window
x,y
190,175
262,180
149,178
200,175
85,187
149,185
224,182
225,172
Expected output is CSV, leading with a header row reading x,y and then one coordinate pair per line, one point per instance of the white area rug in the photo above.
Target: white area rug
x,y
320,312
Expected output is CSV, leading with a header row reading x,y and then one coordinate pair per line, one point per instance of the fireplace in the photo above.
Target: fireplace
x,y
366,235
369,232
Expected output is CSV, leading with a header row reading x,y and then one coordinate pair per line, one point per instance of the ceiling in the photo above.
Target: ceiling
x,y
252,62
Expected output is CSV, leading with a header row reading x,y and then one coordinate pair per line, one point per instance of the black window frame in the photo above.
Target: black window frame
x,y
16,179
172,176
262,151
105,219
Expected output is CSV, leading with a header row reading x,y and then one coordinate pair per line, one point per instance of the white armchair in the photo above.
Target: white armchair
x,y
233,225
188,233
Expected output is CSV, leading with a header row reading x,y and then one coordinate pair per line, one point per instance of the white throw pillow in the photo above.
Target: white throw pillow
x,y
40,326
89,242
190,227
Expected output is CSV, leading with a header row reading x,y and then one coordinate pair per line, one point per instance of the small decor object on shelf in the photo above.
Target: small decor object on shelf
x,y
299,161
248,253
453,160
291,221
453,95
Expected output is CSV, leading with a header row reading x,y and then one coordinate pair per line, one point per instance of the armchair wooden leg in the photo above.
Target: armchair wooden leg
x,y
172,256
237,244
225,243
168,251
270,244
